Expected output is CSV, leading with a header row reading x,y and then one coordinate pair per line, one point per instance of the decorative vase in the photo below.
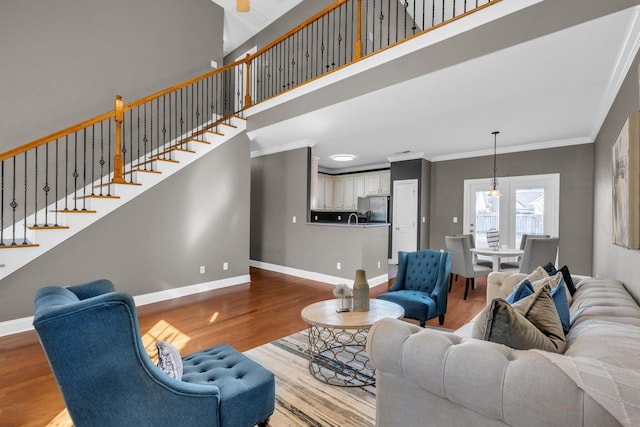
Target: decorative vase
x,y
360,292
493,238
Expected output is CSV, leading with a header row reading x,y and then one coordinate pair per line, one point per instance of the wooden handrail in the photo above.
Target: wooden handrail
x,y
57,135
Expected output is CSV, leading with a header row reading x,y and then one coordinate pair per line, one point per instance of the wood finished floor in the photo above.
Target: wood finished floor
x,y
245,316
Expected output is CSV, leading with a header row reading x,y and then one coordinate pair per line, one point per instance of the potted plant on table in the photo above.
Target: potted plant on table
x,y
344,297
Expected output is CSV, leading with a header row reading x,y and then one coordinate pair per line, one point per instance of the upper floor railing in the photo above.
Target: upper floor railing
x,y
58,173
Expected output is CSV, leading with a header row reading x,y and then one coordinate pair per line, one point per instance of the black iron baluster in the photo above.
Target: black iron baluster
x,y
109,157
84,169
24,201
35,192
93,157
46,187
137,159
182,103
66,172
145,141
13,204
101,162
75,171
57,170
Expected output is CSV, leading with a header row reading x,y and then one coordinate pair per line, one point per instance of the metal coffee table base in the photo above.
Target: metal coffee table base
x,y
337,356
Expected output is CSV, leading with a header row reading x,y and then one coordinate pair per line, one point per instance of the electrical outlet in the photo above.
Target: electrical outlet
x,y
294,219
225,265
378,264
455,219
339,266
202,269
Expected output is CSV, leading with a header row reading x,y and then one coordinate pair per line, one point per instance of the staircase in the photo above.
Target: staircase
x,y
145,173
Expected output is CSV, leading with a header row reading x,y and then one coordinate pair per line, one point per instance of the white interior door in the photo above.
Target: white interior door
x,y
405,218
528,205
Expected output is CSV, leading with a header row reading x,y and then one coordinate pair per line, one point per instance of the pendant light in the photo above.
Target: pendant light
x,y
494,183
242,5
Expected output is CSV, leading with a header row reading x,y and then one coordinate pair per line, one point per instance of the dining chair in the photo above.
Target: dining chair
x,y
523,241
537,252
462,262
472,244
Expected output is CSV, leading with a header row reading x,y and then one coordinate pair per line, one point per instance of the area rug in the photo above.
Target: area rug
x,y
302,400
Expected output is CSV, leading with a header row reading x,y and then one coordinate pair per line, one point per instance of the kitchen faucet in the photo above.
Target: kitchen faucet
x,y
350,215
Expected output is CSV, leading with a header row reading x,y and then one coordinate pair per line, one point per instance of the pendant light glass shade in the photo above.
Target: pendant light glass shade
x,y
494,182
242,5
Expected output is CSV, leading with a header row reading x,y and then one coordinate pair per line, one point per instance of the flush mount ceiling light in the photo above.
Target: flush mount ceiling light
x,y
343,157
494,182
242,5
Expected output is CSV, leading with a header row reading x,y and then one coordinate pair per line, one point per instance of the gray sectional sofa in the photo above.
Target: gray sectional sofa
x,y
429,377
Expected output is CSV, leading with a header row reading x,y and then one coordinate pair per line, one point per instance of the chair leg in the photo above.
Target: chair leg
x,y
422,323
450,281
264,423
473,283
441,319
466,288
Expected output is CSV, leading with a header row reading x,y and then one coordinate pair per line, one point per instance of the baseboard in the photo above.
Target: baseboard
x,y
25,324
318,277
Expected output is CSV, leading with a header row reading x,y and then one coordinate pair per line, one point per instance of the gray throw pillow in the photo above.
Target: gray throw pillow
x,y
169,360
531,323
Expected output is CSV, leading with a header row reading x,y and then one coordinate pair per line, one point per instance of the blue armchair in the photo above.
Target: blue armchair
x,y
421,284
91,339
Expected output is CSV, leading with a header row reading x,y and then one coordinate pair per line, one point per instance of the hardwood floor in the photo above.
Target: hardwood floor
x,y
245,316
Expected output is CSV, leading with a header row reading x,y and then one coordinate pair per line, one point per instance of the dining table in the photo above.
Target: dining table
x,y
497,254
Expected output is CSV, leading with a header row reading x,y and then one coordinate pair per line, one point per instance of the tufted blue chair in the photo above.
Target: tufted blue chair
x,y
421,284
91,339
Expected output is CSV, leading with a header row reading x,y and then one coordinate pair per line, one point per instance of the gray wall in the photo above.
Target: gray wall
x,y
158,241
575,166
610,260
64,61
278,193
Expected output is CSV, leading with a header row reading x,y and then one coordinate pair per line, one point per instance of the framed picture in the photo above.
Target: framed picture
x,y
626,184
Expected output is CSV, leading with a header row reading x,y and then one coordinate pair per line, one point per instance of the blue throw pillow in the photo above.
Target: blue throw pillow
x,y
169,360
559,295
522,290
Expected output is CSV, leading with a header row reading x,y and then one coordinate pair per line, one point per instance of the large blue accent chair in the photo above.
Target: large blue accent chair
x,y
91,338
421,284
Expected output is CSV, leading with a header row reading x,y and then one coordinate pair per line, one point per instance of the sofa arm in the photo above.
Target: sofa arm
x,y
490,379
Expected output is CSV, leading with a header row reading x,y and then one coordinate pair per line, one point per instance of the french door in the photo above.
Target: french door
x,y
528,205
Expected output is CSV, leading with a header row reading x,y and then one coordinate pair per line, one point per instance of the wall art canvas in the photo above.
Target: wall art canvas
x,y
626,184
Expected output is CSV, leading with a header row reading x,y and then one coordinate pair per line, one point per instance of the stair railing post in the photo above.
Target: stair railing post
x,y
247,95
357,48
117,157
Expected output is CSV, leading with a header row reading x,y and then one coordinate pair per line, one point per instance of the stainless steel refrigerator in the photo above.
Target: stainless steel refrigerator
x,y
373,209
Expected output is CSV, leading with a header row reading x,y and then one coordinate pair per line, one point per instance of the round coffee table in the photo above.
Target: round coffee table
x,y
337,341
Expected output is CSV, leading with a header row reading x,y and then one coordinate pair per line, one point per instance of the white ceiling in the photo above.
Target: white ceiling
x,y
551,91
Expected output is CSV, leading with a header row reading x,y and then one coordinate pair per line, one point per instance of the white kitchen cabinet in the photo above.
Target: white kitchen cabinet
x,y
350,202
385,183
339,193
358,188
378,183
325,191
